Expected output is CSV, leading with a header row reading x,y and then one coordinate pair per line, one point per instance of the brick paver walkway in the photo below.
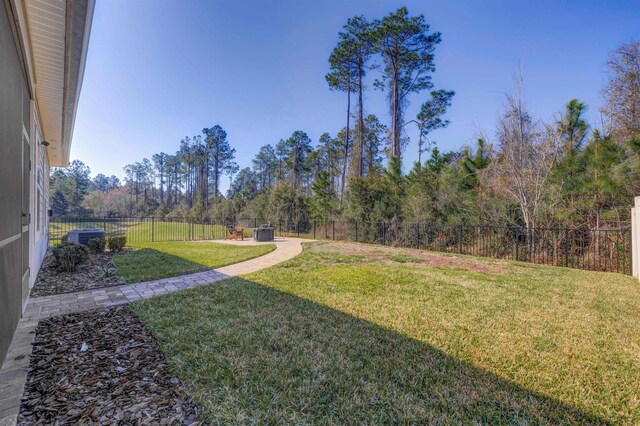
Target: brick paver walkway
x,y
14,370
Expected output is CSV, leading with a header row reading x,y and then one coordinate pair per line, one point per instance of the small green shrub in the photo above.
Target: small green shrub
x,y
97,245
116,244
69,255
108,272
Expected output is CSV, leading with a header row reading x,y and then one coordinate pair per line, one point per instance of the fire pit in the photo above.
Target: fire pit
x,y
264,233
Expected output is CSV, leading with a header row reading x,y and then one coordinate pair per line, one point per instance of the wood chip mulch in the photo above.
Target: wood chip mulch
x,y
102,367
90,275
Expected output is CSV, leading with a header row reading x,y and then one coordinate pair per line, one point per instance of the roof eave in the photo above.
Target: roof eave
x,y
79,16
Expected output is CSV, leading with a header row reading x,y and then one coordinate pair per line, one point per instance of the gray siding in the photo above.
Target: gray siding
x,y
14,112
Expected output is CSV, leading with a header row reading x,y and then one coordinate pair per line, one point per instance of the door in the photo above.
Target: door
x,y
26,217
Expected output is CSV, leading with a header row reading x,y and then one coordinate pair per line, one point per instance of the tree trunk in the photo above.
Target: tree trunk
x,y
346,147
216,174
137,192
360,122
162,185
206,179
420,145
395,116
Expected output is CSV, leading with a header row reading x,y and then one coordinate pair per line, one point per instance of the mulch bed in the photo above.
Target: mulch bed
x,y
102,367
89,275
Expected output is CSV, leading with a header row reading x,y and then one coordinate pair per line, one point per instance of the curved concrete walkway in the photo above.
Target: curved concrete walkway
x,y
13,374
46,306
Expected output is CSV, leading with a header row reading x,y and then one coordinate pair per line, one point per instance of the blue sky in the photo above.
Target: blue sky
x,y
161,70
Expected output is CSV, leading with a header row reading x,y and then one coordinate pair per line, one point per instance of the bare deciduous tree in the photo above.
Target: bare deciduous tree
x,y
622,92
527,152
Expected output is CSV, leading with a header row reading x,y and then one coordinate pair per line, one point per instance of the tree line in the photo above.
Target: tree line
x,y
562,171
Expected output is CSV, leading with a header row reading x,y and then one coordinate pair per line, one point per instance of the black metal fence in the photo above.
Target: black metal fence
x,y
147,229
590,249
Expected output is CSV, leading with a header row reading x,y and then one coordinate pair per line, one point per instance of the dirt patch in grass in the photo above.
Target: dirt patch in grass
x,y
101,367
96,272
393,255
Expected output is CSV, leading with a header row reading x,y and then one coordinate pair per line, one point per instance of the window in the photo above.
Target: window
x,y
41,174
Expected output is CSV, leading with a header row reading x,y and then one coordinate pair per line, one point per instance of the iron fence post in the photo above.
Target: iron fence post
x,y
314,229
153,228
356,231
460,239
333,229
417,235
566,246
517,243
384,234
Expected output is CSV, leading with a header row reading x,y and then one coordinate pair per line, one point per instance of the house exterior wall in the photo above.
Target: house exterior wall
x,y
15,125
43,48
39,226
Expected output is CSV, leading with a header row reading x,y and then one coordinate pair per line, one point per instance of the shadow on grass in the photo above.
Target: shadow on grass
x,y
253,354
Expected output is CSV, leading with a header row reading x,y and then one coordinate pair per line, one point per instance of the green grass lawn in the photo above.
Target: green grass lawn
x,y
340,335
151,261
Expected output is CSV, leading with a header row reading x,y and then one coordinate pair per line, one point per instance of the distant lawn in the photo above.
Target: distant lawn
x,y
61,228
145,230
151,261
340,336
174,231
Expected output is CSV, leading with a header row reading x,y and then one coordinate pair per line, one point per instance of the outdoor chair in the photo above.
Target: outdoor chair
x,y
234,233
